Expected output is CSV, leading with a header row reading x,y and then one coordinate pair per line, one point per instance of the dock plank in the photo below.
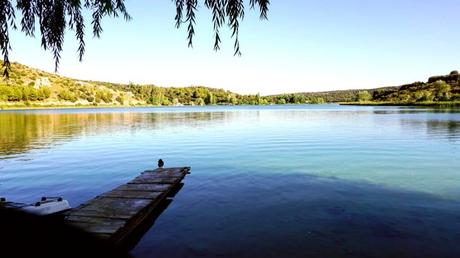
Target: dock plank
x,y
144,187
117,213
156,176
77,218
121,208
168,171
97,225
146,180
132,194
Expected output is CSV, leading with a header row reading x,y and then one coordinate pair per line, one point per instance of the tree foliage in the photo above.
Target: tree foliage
x,y
364,96
38,87
444,88
28,85
55,17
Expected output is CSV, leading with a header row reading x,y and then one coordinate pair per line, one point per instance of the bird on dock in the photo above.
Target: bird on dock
x,y
160,163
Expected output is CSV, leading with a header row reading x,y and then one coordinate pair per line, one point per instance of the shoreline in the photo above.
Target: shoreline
x,y
24,107
19,107
415,104
45,107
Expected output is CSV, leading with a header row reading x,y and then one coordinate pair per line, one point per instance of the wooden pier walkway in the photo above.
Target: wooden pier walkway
x,y
116,214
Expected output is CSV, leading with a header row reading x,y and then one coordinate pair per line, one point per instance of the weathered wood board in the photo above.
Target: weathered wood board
x,y
143,187
132,194
114,215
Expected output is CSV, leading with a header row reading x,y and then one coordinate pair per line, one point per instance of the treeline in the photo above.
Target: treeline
x,y
330,96
28,85
297,98
209,96
437,89
154,95
31,85
23,93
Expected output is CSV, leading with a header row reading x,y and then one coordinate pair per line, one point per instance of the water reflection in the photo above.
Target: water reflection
x,y
414,110
449,129
22,132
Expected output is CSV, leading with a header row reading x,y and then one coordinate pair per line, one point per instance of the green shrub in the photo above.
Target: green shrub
x,y
43,93
120,99
90,98
15,95
456,97
281,101
427,96
442,90
199,102
5,92
364,96
166,102
317,101
66,95
104,95
418,95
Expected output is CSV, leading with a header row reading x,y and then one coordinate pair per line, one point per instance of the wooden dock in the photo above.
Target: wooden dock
x,y
117,214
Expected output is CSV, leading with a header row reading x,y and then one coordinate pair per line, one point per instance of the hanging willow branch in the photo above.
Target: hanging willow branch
x,y
54,17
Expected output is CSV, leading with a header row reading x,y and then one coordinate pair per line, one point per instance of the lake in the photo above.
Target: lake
x,y
269,181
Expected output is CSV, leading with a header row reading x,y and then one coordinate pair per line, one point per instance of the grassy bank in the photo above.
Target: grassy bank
x,y
38,106
32,106
388,103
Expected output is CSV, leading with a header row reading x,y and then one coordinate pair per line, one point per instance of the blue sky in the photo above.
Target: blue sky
x,y
304,46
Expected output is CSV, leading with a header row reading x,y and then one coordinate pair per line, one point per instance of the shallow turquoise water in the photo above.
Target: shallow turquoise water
x,y
297,181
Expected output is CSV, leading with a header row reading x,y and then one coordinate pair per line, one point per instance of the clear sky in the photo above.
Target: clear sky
x,y
306,45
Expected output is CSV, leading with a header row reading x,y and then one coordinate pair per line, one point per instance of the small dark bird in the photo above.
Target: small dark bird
x,y
160,163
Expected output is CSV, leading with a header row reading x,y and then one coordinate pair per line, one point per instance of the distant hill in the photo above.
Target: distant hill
x,y
29,87
335,96
34,88
438,89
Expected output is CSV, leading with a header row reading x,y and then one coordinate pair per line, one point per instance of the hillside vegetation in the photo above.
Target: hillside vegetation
x,y
29,87
437,90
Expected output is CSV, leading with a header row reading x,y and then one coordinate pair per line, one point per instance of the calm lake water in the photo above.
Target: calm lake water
x,y
276,181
